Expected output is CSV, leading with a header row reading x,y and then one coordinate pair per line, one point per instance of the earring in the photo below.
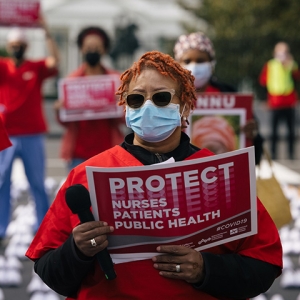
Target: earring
x,y
186,120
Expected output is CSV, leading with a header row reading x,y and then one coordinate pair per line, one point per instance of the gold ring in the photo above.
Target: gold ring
x,y
93,242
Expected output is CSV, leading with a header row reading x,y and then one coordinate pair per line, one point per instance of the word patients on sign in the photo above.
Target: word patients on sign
x,y
89,97
199,203
19,12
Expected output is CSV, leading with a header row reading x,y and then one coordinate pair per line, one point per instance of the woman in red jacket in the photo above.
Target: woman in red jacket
x,y
158,95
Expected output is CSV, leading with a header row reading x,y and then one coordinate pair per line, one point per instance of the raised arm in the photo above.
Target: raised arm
x,y
52,59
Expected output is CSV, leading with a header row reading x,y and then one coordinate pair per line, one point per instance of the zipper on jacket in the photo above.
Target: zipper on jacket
x,y
159,157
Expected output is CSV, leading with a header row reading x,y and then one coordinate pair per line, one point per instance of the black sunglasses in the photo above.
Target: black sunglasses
x,y
160,99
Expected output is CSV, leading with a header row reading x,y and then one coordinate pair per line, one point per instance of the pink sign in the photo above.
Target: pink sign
x,y
198,203
19,12
89,97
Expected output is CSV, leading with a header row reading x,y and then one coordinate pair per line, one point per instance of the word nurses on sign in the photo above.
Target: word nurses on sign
x,y
139,192
199,202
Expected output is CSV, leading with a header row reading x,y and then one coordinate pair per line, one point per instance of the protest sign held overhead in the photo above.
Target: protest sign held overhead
x,y
19,13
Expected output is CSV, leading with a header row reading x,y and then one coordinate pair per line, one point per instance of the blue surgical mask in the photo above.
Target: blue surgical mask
x,y
201,71
152,123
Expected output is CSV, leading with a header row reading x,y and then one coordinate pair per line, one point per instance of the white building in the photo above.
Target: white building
x,y
158,22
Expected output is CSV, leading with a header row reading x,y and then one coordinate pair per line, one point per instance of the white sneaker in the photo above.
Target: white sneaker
x,y
12,262
51,296
297,278
277,297
38,296
14,278
259,297
287,279
35,284
2,262
1,295
287,262
3,278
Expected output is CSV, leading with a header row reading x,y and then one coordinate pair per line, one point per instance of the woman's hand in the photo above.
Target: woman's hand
x,y
190,261
85,233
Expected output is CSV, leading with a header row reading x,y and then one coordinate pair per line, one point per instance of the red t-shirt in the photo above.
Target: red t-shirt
x,y
139,279
4,140
20,96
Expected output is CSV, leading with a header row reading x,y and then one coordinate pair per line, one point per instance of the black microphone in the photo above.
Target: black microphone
x,y
78,200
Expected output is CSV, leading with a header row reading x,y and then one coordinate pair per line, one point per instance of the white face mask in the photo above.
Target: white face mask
x,y
201,71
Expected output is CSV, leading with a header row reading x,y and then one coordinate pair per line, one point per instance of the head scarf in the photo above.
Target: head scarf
x,y
213,128
195,40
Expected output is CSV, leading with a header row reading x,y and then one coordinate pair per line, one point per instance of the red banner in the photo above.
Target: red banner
x,y
89,97
198,203
19,12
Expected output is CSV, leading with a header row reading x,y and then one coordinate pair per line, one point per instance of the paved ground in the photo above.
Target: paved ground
x,y
57,171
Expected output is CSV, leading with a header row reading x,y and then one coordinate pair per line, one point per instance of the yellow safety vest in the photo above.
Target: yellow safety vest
x,y
279,78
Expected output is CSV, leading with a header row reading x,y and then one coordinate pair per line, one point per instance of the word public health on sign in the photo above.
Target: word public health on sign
x,y
89,97
199,203
19,13
218,118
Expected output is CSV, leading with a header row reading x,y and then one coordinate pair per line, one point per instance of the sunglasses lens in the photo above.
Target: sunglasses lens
x,y
135,100
162,98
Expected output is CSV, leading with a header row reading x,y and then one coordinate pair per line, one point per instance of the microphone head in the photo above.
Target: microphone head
x,y
78,198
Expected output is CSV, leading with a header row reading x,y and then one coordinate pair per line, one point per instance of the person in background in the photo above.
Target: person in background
x,y
64,250
86,138
195,52
21,109
278,76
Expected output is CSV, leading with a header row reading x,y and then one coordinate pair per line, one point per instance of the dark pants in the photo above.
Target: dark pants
x,y
287,115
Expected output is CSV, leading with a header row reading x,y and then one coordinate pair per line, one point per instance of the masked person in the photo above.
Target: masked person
x,y
64,250
278,76
21,109
86,138
195,52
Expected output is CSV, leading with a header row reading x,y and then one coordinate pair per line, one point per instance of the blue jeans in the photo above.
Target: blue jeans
x,y
30,149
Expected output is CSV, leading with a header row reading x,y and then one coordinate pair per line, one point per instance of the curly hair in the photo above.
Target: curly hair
x,y
166,66
93,30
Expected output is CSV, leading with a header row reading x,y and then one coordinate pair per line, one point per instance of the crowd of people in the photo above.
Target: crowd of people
x,y
158,94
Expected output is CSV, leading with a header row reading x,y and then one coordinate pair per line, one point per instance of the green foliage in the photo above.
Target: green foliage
x,y
244,34
3,52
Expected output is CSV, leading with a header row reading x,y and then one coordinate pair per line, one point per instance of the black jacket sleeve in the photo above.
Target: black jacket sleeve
x,y
226,276
233,276
62,269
